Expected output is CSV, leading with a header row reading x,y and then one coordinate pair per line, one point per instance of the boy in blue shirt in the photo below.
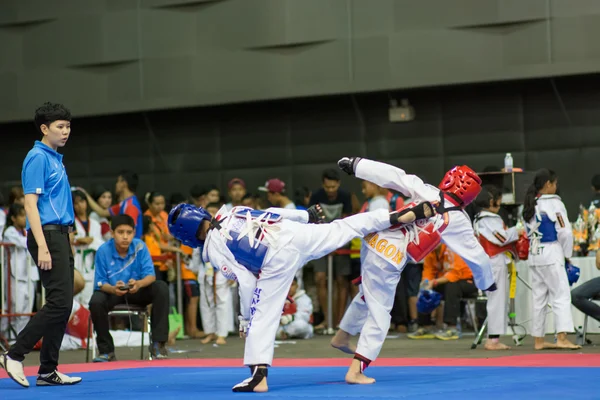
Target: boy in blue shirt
x,y
125,274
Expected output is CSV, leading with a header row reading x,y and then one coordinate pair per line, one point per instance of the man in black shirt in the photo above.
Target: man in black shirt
x,y
336,204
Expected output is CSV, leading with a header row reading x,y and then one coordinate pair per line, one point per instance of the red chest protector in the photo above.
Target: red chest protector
x,y
519,249
428,237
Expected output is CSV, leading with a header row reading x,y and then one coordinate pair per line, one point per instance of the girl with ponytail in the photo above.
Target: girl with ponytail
x,y
551,242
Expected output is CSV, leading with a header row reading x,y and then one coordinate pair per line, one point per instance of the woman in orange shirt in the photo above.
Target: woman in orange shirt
x,y
160,230
448,274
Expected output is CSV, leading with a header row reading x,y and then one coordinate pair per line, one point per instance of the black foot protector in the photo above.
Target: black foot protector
x,y
258,373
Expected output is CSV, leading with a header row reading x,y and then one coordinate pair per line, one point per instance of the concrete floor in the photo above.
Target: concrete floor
x,y
318,347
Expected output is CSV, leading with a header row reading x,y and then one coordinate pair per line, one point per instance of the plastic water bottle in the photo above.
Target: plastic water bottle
x,y
508,163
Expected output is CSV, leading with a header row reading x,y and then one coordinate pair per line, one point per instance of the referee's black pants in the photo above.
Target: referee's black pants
x,y
51,321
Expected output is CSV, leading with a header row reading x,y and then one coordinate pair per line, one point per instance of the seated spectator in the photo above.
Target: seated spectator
x,y
125,274
276,194
445,272
296,321
581,296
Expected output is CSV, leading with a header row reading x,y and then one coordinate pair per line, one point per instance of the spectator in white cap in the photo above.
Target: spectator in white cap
x,y
275,189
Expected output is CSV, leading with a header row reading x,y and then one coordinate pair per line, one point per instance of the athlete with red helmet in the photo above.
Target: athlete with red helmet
x,y
369,310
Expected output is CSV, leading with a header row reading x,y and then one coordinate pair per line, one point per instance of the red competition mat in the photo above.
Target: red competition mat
x,y
530,360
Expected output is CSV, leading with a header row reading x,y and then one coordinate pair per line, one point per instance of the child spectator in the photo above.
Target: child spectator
x,y
296,321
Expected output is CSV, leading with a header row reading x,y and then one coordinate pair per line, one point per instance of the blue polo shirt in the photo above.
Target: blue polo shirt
x,y
44,174
111,267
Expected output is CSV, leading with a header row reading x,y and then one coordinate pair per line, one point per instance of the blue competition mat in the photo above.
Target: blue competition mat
x,y
426,383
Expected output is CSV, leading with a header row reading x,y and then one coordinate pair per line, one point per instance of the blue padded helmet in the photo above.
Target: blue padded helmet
x,y
572,273
185,221
428,301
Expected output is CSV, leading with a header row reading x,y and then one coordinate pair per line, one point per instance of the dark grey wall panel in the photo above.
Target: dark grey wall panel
x,y
541,124
119,56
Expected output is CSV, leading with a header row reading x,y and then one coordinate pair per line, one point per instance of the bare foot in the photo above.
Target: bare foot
x,y
196,334
545,346
173,336
341,341
221,341
208,338
489,345
358,378
566,344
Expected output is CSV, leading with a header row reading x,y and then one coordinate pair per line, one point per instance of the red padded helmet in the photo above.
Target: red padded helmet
x,y
462,182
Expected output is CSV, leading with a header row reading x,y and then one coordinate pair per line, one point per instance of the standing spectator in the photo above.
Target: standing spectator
x,y
302,198
213,195
249,200
86,241
175,199
128,202
160,229
103,197
3,213
49,210
551,242
125,273
275,189
22,275
336,204
237,191
216,301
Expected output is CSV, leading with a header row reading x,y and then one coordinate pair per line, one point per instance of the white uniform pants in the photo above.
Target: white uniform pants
x,y
550,285
379,281
309,242
215,317
497,301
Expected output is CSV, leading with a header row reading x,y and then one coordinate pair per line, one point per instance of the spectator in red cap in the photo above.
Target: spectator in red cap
x,y
237,191
275,189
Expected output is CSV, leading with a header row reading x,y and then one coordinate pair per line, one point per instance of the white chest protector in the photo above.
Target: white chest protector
x,y
249,234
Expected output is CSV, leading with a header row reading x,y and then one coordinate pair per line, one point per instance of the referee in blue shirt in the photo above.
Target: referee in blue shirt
x,y
49,209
